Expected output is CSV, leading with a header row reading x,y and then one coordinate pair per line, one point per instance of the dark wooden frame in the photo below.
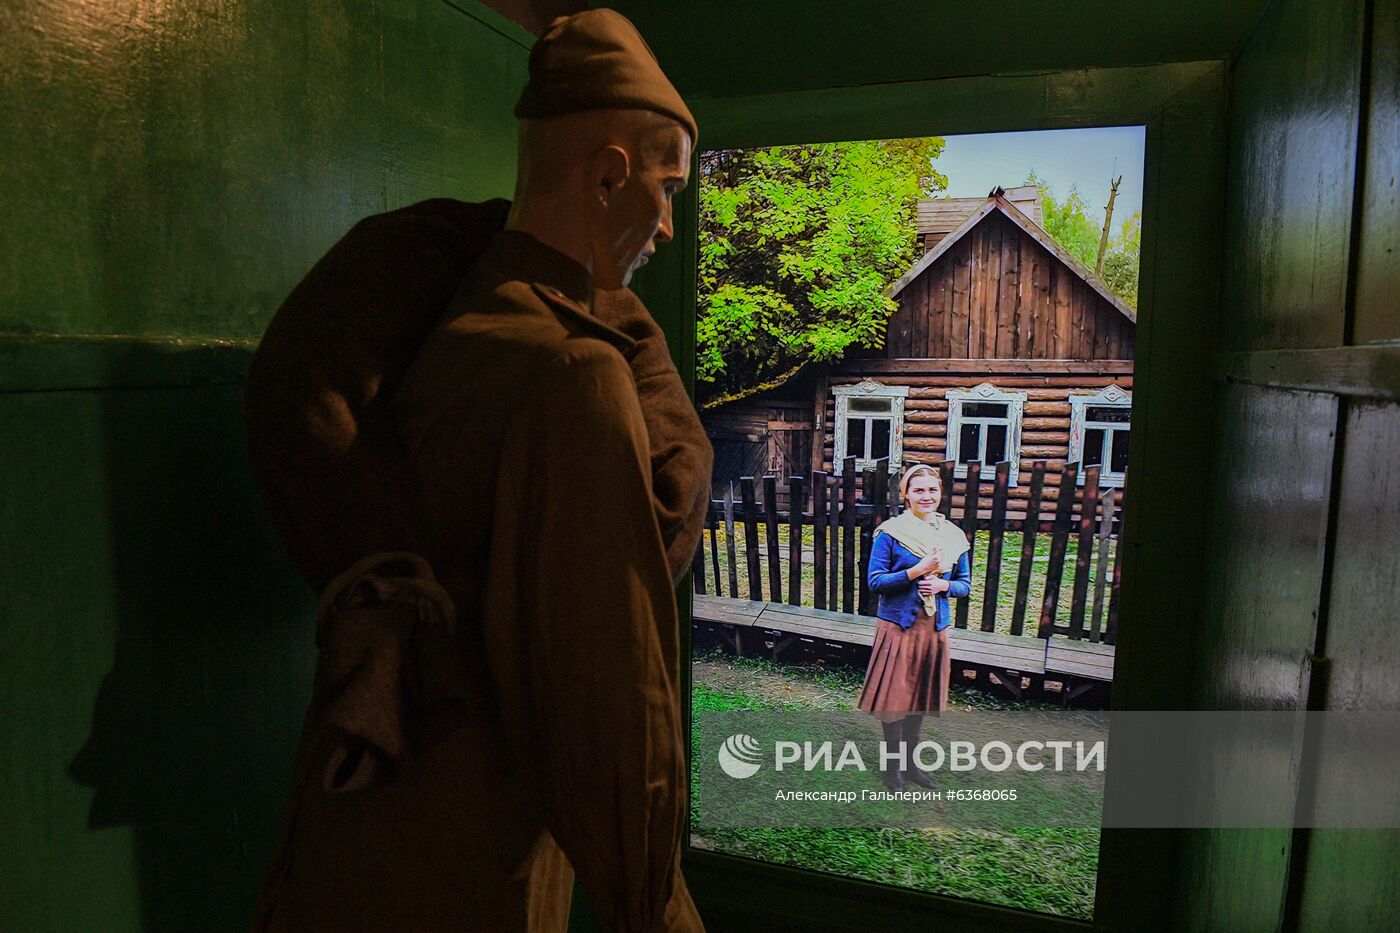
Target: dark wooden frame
x,y
1182,107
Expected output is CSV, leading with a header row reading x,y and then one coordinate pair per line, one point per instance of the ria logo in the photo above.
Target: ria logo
x,y
738,756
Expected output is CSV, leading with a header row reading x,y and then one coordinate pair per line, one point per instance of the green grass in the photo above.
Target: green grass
x,y
841,679
1047,870
1006,590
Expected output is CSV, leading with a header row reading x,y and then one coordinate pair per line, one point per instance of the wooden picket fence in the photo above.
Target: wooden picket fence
x,y
842,512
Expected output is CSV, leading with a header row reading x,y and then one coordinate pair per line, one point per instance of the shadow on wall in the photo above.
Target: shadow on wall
x,y
194,729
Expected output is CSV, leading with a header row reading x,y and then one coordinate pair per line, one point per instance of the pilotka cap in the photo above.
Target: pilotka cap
x,y
596,60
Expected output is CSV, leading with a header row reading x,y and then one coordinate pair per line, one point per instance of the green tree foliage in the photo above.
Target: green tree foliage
x,y
1070,224
1120,263
797,245
1068,221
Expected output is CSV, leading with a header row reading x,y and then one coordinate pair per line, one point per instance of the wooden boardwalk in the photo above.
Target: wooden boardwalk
x,y
1014,661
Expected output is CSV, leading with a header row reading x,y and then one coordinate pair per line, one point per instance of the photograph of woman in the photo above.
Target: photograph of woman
x,y
918,561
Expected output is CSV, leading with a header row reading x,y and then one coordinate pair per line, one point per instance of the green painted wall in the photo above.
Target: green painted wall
x,y
170,171
1301,588
175,168
1350,879
737,48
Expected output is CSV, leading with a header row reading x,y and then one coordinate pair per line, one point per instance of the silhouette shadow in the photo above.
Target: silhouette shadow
x,y
194,729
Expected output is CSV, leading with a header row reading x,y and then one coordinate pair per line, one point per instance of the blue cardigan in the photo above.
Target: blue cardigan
x,y
899,595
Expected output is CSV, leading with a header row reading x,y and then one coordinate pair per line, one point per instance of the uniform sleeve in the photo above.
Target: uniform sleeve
x,y
580,631
681,453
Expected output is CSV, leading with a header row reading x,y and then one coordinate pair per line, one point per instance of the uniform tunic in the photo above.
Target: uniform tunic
x,y
522,425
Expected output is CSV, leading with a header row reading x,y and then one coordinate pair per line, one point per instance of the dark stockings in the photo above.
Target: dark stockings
x,y
910,734
889,773
905,730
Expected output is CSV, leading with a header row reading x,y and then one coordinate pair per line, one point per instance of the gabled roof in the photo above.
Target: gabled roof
x,y
941,216
1034,231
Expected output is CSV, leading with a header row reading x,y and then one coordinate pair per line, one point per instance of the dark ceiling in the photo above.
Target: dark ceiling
x,y
721,48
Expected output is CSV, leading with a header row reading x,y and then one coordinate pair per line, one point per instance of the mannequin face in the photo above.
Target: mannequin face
x,y
636,186
923,495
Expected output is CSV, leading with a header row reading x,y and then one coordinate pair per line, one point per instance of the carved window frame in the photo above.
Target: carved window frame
x,y
986,392
868,389
1110,396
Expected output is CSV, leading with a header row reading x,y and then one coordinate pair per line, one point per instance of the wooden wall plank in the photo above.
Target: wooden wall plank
x,y
919,326
960,258
1364,653
991,287
943,348
1042,314
1377,313
899,330
1293,145
1008,292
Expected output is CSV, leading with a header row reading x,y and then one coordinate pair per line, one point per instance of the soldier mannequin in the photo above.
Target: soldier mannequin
x,y
497,520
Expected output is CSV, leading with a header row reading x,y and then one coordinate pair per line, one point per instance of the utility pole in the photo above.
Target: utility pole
x,y
1107,221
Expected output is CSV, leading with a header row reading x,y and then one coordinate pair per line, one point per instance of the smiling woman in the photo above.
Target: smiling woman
x,y
918,560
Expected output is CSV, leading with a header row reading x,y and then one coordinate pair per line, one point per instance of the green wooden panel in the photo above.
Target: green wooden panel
x,y
183,164
157,657
179,167
52,363
1377,271
1350,879
1269,489
734,48
1294,105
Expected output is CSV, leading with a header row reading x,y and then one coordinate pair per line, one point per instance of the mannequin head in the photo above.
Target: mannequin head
x,y
597,186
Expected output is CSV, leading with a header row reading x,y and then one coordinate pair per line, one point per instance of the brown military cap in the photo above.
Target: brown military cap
x,y
597,60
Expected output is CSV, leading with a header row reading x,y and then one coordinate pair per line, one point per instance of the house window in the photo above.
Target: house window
x,y
869,424
1098,434
984,424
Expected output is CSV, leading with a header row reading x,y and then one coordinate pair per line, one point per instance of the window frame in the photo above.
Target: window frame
x,y
985,392
841,432
1183,106
1110,396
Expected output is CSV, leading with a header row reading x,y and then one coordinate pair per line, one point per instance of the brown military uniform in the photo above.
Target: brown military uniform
x,y
495,503
522,423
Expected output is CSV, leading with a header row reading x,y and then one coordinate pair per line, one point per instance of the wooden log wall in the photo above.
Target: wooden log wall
x,y
1045,421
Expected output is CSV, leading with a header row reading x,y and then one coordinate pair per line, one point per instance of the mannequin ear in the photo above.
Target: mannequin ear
x,y
611,169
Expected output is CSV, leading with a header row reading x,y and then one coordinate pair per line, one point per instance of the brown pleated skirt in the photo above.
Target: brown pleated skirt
x,y
909,670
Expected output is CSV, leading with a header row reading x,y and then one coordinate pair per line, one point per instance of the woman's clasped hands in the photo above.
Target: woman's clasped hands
x,y
925,572
931,585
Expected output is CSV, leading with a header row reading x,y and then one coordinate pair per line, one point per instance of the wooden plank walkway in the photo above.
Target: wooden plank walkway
x,y
1081,663
1005,652
1083,658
